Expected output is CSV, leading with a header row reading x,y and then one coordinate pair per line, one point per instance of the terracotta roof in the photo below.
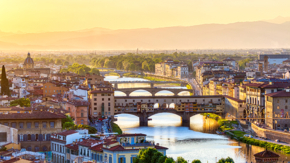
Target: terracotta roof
x,y
125,135
33,115
279,94
235,99
88,142
102,91
98,148
73,146
266,154
68,132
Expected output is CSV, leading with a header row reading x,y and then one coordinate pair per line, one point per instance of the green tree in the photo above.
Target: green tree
x,y
196,161
169,160
227,160
68,125
181,160
94,71
23,102
145,66
161,159
4,83
156,157
58,62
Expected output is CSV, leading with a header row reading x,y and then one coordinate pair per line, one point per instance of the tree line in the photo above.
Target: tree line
x,y
152,155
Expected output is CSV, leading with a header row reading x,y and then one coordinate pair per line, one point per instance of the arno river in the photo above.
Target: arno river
x,y
198,141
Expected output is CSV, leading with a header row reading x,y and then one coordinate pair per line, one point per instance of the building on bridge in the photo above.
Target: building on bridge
x,y
171,68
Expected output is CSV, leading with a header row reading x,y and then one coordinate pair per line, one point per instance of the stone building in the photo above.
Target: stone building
x,y
255,97
171,68
28,63
278,109
235,108
34,129
79,111
102,100
52,88
8,137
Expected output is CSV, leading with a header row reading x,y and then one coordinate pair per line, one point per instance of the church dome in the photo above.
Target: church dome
x,y
28,60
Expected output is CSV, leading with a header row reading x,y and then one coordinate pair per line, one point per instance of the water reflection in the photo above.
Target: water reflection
x,y
196,142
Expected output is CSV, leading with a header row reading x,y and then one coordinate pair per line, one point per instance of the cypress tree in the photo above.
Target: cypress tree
x,y
4,83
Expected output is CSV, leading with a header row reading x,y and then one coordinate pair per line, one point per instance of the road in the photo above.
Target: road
x,y
103,126
196,86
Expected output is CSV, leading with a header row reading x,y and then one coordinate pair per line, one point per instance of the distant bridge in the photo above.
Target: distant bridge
x,y
148,82
121,73
153,91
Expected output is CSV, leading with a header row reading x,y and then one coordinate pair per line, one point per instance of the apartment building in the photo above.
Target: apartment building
x,y
79,111
59,142
102,100
277,109
34,129
52,88
172,68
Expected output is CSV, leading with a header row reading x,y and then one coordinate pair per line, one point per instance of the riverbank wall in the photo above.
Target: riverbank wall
x,y
270,134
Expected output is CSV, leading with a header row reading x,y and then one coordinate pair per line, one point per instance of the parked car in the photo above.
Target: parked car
x,y
277,140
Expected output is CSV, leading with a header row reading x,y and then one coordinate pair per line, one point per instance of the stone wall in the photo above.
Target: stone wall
x,y
271,134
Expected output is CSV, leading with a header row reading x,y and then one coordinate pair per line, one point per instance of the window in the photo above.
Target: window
x,y
28,124
43,124
95,99
278,107
21,125
102,99
286,101
13,124
109,104
125,100
51,124
286,107
109,94
82,114
95,108
133,100
6,124
95,103
109,108
103,94
3,136
109,99
277,100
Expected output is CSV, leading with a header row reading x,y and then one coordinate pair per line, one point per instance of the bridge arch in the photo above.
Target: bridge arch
x,y
164,93
172,105
120,93
139,92
184,93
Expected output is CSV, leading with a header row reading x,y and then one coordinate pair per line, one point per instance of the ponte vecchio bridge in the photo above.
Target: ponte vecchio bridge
x,y
204,104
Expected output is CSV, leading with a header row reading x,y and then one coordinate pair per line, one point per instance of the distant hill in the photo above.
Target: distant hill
x,y
279,20
236,35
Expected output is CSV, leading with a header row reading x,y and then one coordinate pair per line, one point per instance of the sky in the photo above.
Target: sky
x,y
69,15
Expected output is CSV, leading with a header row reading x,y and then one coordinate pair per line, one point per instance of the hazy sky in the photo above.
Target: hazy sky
x,y
62,15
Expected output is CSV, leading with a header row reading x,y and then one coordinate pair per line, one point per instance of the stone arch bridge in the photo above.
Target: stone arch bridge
x,y
154,91
185,116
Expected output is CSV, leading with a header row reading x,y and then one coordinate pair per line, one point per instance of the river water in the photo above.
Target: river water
x,y
198,141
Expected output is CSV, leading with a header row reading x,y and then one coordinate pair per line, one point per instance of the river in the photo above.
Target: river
x,y
198,141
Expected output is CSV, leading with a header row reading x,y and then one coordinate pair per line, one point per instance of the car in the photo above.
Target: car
x,y
277,140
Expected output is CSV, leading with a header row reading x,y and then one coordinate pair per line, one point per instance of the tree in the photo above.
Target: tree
x,y
181,160
58,62
227,160
161,159
23,102
156,157
196,161
169,160
145,66
94,71
4,83
68,125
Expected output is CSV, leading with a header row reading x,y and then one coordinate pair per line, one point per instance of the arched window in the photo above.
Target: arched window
x,y
28,137
32,137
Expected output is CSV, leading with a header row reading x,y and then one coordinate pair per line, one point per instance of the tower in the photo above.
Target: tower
x,y
266,63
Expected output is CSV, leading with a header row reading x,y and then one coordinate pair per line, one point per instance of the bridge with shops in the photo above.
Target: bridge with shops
x,y
154,91
205,104
152,83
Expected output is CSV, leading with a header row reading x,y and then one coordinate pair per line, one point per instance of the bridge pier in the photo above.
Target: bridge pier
x,y
143,119
152,85
116,85
186,119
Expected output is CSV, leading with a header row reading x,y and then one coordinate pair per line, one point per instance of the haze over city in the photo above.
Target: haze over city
x,y
128,24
